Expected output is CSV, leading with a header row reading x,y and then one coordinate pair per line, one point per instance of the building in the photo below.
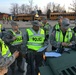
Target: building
x,y
5,15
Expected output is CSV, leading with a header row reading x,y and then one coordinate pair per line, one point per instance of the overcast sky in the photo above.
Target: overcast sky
x,y
5,5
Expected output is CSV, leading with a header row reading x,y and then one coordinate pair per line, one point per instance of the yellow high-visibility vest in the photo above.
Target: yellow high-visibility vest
x,y
57,26
5,50
18,38
36,40
59,36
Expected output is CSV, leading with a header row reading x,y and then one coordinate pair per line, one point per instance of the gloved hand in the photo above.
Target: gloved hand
x,y
73,47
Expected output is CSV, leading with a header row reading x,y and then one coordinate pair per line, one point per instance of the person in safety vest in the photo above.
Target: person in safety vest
x,y
5,62
13,38
74,29
57,25
2,31
63,36
34,40
46,26
6,58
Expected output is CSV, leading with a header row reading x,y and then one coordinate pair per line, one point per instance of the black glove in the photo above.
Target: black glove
x,y
73,47
60,50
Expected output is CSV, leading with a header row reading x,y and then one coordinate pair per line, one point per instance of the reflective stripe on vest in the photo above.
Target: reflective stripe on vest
x,y
57,26
59,36
5,49
46,27
36,40
18,38
0,27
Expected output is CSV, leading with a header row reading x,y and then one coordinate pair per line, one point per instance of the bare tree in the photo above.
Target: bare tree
x,y
17,8
23,8
54,7
36,7
30,5
14,8
60,8
73,6
27,8
20,10
49,5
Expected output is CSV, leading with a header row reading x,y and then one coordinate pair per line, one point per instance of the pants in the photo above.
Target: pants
x,y
53,48
18,59
19,63
34,61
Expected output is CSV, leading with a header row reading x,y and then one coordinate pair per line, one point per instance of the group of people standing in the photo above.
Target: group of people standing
x,y
31,41
14,45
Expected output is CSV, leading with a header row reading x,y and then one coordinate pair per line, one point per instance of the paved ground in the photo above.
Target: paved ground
x,y
28,24
22,26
